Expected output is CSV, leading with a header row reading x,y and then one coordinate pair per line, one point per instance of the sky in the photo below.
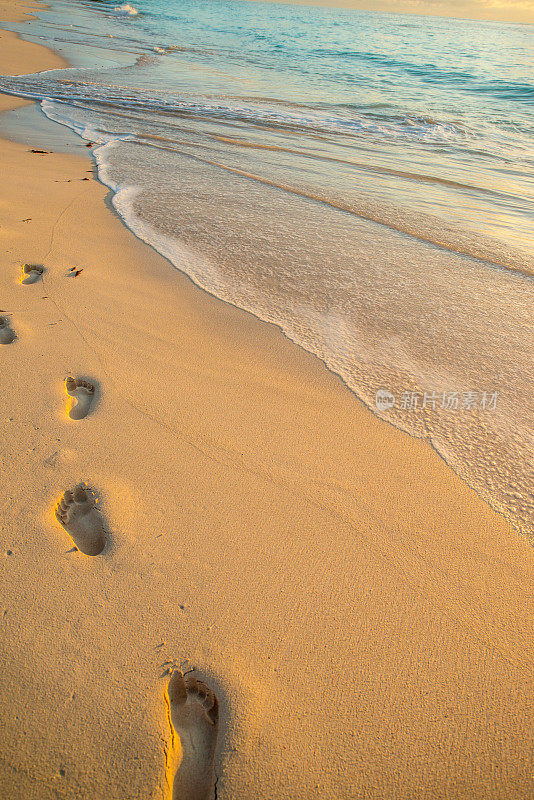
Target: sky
x,y
506,10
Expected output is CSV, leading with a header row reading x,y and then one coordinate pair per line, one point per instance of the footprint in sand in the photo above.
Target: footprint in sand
x,y
83,392
77,513
31,273
7,335
195,718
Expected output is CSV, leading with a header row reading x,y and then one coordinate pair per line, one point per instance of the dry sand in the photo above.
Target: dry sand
x,y
363,616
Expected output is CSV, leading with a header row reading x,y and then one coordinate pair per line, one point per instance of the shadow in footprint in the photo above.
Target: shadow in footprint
x,y
194,712
82,397
77,513
31,273
7,334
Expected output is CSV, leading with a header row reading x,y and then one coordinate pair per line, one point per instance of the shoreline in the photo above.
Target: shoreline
x,y
266,527
501,502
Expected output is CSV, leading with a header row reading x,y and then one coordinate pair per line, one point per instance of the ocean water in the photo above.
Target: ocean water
x,y
363,180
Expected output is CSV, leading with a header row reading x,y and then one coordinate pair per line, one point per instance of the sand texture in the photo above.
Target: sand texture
x,y
363,618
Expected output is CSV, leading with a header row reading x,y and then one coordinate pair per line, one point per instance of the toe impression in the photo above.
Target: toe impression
x,y
83,393
76,512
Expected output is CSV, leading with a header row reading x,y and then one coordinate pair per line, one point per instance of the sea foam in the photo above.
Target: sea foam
x,y
127,9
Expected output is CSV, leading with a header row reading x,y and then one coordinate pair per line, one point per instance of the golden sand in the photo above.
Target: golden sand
x,y
363,616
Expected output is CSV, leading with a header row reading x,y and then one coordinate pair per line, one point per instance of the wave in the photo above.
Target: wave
x,y
429,73
127,10
316,329
423,227
68,92
333,119
418,177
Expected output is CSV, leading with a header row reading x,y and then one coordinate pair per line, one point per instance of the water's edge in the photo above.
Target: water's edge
x,y
117,201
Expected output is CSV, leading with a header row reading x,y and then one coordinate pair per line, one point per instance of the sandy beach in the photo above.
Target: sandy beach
x,y
362,615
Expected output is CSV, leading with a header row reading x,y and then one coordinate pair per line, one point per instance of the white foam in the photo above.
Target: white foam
x,y
126,9
339,338
335,336
86,132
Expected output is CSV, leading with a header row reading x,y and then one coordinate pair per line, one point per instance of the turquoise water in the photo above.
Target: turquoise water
x,y
429,112
363,180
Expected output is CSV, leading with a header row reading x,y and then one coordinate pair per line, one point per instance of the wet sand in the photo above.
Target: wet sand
x,y
362,615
